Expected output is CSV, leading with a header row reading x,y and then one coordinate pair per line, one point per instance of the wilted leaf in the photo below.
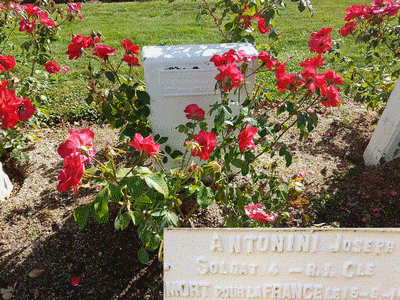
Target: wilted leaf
x,y
35,273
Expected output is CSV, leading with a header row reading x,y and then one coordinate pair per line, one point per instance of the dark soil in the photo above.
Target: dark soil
x,y
38,230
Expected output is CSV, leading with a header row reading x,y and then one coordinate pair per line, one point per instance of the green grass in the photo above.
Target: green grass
x,y
160,23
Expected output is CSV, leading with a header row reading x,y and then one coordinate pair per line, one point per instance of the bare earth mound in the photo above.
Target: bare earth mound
x,y
39,232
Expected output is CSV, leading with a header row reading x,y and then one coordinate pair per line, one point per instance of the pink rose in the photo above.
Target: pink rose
x,y
256,212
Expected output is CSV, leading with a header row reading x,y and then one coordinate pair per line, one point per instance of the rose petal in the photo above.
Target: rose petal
x,y
75,280
393,193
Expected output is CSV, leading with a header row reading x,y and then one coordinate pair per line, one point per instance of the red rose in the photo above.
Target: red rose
x,y
228,57
146,145
6,62
131,60
9,104
52,67
46,21
129,47
32,10
316,62
78,43
330,96
74,7
207,142
72,173
27,111
256,212
348,28
193,112
246,138
265,57
285,81
77,140
309,74
27,26
229,77
328,78
261,25
103,51
320,41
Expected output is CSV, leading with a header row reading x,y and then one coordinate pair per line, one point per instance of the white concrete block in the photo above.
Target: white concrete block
x,y
5,185
386,137
177,76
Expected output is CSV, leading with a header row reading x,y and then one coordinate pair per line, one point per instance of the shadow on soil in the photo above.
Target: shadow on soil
x,y
358,196
105,259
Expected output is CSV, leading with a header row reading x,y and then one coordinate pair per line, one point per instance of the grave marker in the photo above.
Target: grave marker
x,y
5,185
177,76
281,263
386,137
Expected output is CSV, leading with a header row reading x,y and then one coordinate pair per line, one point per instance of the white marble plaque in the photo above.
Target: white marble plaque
x,y
188,82
177,76
281,263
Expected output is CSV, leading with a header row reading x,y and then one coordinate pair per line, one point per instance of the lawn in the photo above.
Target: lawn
x,y
162,23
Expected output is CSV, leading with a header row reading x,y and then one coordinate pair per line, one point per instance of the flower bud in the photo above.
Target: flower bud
x,y
216,166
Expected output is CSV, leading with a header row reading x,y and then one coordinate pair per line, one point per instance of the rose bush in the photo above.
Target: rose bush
x,y
19,98
375,27
153,199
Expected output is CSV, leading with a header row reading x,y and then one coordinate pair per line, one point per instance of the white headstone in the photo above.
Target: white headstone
x,y
281,263
386,137
5,185
177,76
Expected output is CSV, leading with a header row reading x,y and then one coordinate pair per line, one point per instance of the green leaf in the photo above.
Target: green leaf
x,y
301,121
163,140
170,218
142,202
89,99
249,156
123,172
115,193
288,158
302,6
203,196
154,180
175,154
130,93
312,121
143,256
100,205
81,215
219,118
281,109
134,184
110,76
282,151
144,97
122,220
